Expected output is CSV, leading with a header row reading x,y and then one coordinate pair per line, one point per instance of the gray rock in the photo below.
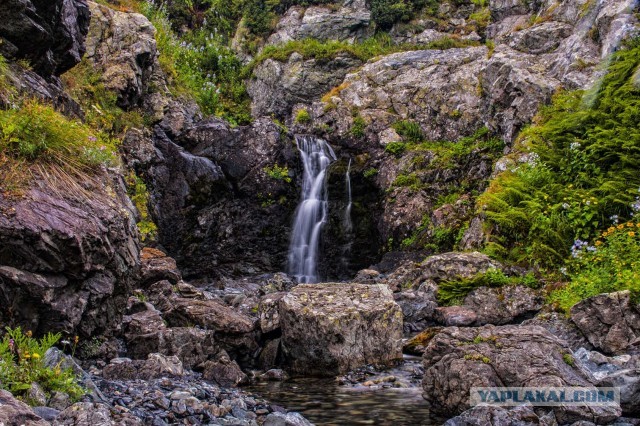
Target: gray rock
x,y
276,86
503,305
455,316
288,419
329,329
17,413
224,371
49,35
47,413
155,366
611,322
86,413
454,265
457,359
59,401
65,272
418,308
36,394
496,416
561,327
269,312
122,47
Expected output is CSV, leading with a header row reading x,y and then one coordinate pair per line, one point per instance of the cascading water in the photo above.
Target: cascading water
x,y
347,224
312,212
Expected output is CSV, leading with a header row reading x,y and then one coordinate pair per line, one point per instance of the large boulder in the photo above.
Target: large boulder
x,y
67,261
48,34
457,359
122,48
454,266
329,329
503,305
17,413
611,322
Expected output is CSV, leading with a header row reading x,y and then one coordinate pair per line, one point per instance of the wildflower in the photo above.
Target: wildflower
x,y
565,206
35,356
29,333
26,355
92,138
632,234
76,339
598,243
621,226
614,219
630,224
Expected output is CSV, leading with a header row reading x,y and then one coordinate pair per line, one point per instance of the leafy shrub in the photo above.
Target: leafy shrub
x,y
201,65
453,292
410,180
409,130
396,148
611,264
385,13
358,126
137,191
38,133
370,172
22,363
582,168
302,116
278,173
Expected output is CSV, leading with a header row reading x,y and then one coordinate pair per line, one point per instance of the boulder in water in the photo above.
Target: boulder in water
x,y
329,329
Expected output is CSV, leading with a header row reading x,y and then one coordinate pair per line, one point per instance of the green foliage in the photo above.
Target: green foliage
x,y
278,173
611,264
102,112
370,172
409,130
582,168
22,363
385,13
453,292
396,148
358,127
568,359
137,191
302,116
410,181
199,64
380,44
37,133
447,153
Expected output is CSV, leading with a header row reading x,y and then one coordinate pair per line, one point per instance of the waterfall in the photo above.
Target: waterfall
x,y
346,223
312,212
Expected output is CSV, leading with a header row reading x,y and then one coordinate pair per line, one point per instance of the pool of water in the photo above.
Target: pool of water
x,y
325,402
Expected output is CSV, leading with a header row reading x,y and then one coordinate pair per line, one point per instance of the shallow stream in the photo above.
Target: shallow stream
x,y
325,402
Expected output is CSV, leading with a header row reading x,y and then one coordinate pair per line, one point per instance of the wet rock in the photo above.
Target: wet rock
x,y
611,322
274,374
122,48
496,416
16,413
286,419
156,266
456,265
224,371
328,329
269,312
620,371
457,359
86,413
503,305
61,270
455,315
49,35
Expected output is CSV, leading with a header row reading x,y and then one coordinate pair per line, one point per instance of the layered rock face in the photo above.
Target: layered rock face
x,y
67,263
329,329
48,34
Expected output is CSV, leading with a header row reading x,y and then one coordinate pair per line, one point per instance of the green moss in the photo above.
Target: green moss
x,y
137,191
568,359
358,127
396,148
302,116
370,172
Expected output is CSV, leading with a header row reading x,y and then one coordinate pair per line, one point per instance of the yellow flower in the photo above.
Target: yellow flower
x,y
598,243
611,229
29,333
621,226
632,234
26,355
76,339
35,356
638,224
630,224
